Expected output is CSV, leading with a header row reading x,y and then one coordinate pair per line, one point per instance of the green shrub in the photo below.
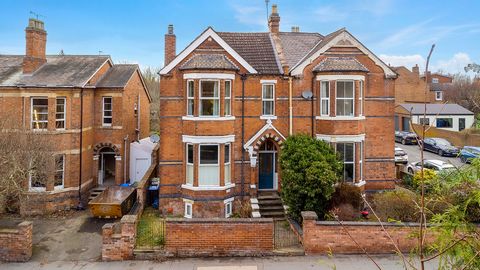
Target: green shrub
x,y
310,168
430,179
399,205
346,194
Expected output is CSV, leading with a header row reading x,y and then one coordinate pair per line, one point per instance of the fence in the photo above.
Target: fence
x,y
459,139
150,230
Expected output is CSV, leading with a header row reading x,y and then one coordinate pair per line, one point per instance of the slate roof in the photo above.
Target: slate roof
x,y
209,61
296,45
117,76
340,64
256,48
434,109
58,71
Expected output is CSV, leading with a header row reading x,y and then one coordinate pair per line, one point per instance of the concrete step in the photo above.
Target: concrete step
x,y
95,192
272,213
270,202
271,207
269,197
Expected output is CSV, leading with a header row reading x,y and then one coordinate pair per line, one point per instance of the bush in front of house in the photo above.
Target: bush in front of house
x,y
397,205
310,168
346,202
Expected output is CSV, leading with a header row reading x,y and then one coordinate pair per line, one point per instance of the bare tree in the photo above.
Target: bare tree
x,y
26,161
152,80
465,91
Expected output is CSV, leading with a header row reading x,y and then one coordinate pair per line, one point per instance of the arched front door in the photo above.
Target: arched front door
x,y
267,166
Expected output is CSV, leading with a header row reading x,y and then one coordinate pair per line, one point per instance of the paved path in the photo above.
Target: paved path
x,y
413,153
357,262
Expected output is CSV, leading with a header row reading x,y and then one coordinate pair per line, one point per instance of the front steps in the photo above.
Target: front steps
x,y
270,205
95,192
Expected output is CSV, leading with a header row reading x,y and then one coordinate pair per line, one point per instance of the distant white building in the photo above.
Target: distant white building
x,y
445,116
140,158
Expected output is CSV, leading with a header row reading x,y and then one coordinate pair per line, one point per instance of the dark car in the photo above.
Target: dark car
x,y
405,137
468,153
440,146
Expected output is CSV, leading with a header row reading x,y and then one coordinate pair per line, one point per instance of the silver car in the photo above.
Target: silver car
x,y
401,156
432,164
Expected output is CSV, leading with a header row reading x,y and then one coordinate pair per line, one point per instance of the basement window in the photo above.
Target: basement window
x,y
188,210
228,209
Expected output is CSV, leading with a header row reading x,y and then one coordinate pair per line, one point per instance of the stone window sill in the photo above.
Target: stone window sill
x,y
201,188
208,118
340,118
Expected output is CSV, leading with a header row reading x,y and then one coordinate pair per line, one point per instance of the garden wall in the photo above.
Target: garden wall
x,y
119,239
219,237
321,237
16,243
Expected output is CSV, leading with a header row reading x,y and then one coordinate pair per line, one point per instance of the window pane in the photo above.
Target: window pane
x,y
349,152
191,89
268,107
340,89
210,107
348,172
208,154
228,88
190,153
208,175
227,177
190,174
348,89
324,106
268,91
227,153
107,120
209,88
107,113
444,122
325,89
40,101
60,124
107,106
107,100
227,107
190,106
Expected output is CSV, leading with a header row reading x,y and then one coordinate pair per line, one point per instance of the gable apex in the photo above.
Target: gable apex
x,y
208,33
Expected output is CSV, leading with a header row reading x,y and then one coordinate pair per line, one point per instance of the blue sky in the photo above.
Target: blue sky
x,y
399,31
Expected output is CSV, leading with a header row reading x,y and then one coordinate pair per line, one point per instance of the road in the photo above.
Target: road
x,y
357,262
413,153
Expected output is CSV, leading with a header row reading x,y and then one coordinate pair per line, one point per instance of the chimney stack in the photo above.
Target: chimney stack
x,y
170,45
274,20
416,70
295,29
36,42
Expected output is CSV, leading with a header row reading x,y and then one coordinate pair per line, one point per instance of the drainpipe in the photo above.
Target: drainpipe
x,y
125,159
138,118
243,77
290,107
313,105
80,204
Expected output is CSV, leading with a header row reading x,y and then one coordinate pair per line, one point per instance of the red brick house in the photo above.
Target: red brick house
x,y
229,100
91,108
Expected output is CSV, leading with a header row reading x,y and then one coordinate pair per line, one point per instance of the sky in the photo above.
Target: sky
x,y
400,32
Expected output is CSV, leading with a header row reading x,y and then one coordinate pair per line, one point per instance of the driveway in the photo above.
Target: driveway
x,y
413,152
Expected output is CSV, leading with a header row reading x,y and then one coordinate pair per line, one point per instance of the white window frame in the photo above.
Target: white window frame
x,y
200,165
347,162
228,165
434,80
64,113
56,187
326,98
360,98
360,162
189,165
268,99
190,98
228,209
344,98
437,96
103,112
228,100
187,213
217,99
32,121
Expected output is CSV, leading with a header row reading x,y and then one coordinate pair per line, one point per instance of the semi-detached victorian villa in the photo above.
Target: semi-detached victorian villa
x,y
230,99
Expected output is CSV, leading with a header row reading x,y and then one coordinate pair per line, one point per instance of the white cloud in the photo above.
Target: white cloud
x,y
376,7
329,14
453,65
405,34
250,15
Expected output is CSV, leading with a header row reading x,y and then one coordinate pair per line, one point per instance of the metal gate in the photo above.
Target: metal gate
x,y
150,230
284,237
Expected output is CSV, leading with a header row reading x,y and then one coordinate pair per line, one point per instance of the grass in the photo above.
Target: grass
x,y
151,229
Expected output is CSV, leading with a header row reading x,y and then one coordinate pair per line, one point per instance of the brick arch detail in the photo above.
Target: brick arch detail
x,y
100,146
268,135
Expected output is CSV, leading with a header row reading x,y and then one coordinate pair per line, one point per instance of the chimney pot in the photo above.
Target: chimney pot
x,y
170,29
274,20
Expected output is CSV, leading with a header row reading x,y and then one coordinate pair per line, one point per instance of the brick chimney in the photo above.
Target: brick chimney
x,y
170,45
416,70
36,42
274,20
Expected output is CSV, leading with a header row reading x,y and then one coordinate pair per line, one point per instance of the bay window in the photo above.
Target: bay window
x,y
324,98
345,98
227,167
209,98
347,155
190,164
209,167
228,98
190,97
268,99
39,113
60,113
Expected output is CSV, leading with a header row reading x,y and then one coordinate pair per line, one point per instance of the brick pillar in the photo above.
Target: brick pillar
x,y
95,169
308,226
118,170
25,230
129,234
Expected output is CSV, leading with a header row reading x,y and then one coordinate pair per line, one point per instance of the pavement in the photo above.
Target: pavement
x,y
413,152
357,262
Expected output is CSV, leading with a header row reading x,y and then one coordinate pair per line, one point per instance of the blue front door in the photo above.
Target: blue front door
x,y
266,170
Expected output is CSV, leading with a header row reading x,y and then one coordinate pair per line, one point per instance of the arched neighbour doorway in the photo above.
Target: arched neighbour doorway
x,y
106,167
268,166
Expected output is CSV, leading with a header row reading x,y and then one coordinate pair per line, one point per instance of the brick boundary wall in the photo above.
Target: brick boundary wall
x,y
119,239
459,139
321,237
219,237
16,243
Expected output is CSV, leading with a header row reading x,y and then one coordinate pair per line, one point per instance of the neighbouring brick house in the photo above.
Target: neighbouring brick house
x,y
229,100
89,107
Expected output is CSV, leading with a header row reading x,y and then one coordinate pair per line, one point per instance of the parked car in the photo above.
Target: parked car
x,y
400,156
432,164
440,146
468,153
405,137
